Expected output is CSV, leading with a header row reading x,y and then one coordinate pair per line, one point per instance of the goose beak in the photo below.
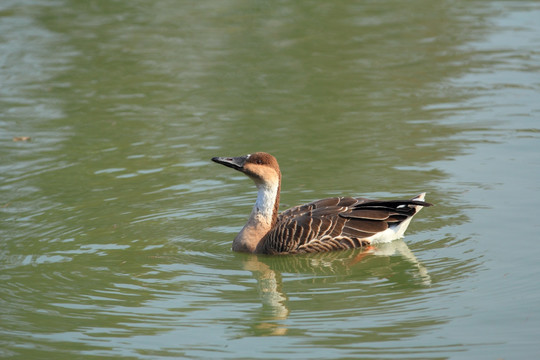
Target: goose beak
x,y
237,163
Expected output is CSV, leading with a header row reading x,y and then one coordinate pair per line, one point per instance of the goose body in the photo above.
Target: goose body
x,y
329,224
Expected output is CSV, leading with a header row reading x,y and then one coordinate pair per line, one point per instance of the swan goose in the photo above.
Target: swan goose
x,y
329,224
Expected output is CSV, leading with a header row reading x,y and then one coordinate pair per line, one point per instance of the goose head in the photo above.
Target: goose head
x,y
261,167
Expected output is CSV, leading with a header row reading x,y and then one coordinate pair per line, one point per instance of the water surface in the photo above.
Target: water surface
x,y
116,228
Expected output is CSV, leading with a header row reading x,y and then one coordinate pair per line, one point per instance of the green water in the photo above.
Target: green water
x,y
115,226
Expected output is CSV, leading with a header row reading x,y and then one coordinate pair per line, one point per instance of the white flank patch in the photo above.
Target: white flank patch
x,y
386,236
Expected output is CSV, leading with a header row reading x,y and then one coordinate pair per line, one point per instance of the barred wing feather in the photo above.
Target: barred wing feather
x,y
335,223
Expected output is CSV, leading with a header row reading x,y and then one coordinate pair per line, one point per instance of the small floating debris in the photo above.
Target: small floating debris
x,y
22,138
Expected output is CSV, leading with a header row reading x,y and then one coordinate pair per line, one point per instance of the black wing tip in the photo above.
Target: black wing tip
x,y
391,203
421,203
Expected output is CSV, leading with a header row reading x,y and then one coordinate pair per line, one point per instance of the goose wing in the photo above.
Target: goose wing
x,y
335,223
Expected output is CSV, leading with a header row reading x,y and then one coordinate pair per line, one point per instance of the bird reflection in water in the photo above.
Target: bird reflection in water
x,y
367,263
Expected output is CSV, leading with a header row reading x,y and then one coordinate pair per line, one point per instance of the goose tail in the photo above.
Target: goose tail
x,y
400,229
420,197
397,231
